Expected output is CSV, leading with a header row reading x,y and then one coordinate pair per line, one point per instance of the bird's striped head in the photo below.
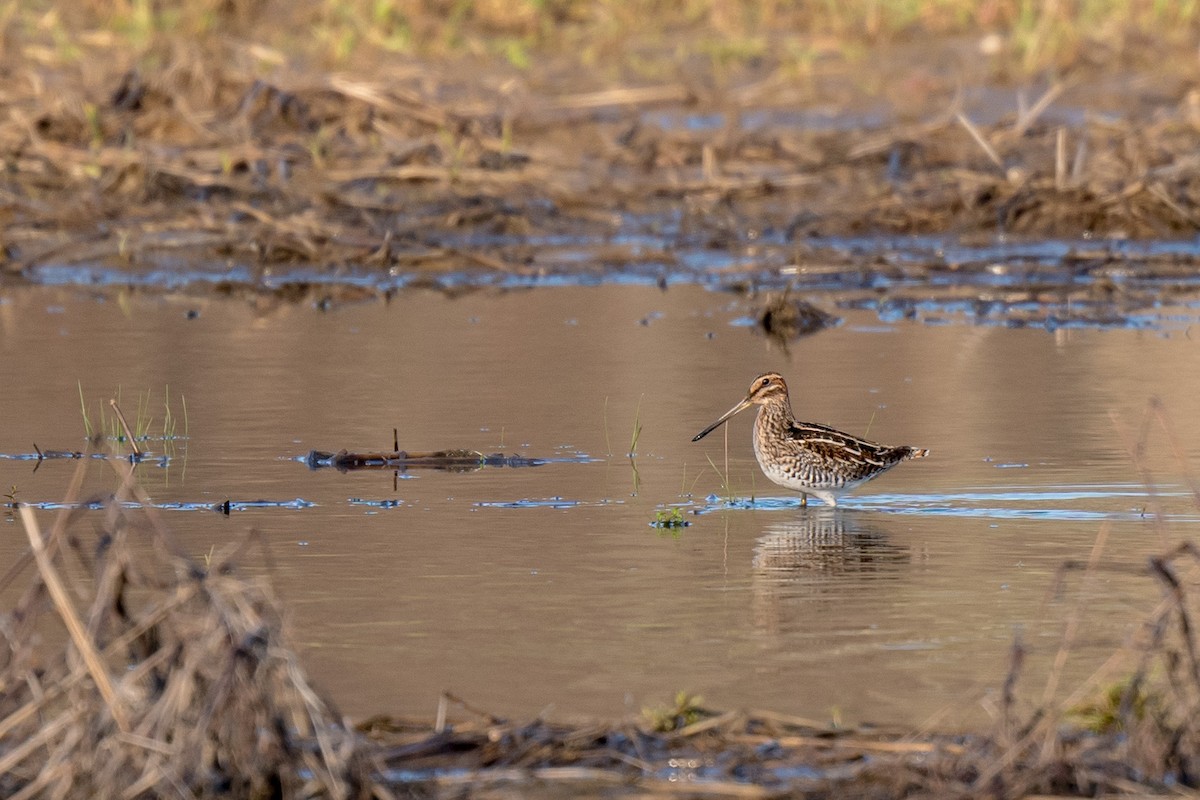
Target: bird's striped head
x,y
766,388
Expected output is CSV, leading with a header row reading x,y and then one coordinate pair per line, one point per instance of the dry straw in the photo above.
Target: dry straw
x,y
171,681
415,171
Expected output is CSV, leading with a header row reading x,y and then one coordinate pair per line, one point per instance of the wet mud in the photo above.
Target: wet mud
x,y
210,176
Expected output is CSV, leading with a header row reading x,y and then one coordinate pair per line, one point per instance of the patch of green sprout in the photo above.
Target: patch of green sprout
x,y
11,504
141,427
669,519
687,710
170,420
1117,705
144,423
515,51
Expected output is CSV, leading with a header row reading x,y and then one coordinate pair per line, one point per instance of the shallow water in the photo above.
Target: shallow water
x,y
523,588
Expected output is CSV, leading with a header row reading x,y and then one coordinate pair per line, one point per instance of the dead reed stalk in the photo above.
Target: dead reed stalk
x,y
175,680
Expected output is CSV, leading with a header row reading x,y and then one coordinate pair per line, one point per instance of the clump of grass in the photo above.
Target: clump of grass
x,y
172,679
170,421
1115,706
109,423
669,519
686,710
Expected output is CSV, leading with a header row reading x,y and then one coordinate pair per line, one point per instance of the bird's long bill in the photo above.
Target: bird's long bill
x,y
742,406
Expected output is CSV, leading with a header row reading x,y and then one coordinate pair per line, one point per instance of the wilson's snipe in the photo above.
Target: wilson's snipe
x,y
813,459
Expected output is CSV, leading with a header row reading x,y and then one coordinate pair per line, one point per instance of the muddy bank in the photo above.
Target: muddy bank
x,y
216,156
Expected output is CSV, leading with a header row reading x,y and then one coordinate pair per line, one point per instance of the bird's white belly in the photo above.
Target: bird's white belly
x,y
785,478
789,476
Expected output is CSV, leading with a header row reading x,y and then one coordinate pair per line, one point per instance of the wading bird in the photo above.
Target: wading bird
x,y
810,458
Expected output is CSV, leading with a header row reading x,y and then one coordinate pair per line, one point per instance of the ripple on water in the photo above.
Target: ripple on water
x,y
1071,503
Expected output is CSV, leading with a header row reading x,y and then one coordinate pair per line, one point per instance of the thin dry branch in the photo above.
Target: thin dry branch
x,y
980,140
58,593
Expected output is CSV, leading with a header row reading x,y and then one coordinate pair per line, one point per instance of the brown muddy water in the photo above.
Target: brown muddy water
x,y
547,587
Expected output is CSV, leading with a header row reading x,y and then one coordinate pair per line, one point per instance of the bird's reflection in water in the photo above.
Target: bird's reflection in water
x,y
805,564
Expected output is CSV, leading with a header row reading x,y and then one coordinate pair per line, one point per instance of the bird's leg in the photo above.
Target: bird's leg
x,y
803,500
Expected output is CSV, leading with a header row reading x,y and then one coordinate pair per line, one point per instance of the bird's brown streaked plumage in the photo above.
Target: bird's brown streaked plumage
x,y
810,458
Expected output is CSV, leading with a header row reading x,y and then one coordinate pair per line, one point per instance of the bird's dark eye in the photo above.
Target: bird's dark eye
x,y
766,381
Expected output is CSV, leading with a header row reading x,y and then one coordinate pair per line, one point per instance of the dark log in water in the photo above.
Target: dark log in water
x,y
459,460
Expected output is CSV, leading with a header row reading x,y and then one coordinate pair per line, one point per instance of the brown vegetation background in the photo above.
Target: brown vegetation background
x,y
428,136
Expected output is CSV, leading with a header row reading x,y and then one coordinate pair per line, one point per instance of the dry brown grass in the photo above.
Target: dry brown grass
x,y
206,163
215,133
131,671
1033,35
